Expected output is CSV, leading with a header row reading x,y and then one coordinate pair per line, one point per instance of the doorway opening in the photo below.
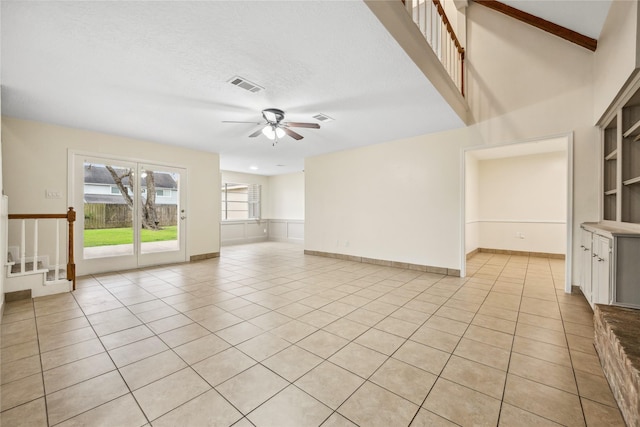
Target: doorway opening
x,y
517,200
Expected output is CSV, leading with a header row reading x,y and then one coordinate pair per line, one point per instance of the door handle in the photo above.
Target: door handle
x,y
183,217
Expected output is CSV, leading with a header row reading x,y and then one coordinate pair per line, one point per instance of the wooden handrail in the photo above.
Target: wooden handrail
x,y
38,216
70,216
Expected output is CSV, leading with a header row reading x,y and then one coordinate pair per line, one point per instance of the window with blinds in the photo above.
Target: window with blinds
x,y
240,201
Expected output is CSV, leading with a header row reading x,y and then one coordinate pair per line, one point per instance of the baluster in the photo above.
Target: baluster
x,y
57,271
434,31
23,249
450,58
35,244
446,50
458,71
414,11
454,62
427,21
422,13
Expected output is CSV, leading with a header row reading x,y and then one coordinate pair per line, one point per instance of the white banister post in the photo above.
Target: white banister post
x,y
35,244
57,272
23,250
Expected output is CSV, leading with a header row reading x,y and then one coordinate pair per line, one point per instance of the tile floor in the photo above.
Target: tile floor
x,y
268,336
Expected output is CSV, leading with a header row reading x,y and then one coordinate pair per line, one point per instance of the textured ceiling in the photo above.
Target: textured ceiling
x,y
158,71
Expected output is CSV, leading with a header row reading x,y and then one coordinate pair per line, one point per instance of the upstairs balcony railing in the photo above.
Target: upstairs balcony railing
x,y
434,25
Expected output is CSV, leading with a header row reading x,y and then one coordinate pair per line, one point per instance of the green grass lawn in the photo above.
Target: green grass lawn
x,y
121,236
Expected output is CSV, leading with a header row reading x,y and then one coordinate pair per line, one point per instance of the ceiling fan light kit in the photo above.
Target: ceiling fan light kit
x,y
275,128
273,132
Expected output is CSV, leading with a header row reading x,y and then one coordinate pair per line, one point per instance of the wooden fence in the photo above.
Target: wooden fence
x,y
101,215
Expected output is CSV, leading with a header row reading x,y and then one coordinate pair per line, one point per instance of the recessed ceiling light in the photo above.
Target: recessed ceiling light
x,y
253,168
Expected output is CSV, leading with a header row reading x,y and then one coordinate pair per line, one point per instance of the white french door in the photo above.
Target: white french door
x,y
130,214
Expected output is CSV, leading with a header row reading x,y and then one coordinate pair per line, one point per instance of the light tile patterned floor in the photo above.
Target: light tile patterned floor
x,y
268,336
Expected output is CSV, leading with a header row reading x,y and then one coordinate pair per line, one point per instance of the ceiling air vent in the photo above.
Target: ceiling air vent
x,y
322,117
245,84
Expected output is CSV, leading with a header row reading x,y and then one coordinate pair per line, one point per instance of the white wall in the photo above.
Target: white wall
x,y
35,159
286,196
522,84
616,56
3,238
524,194
527,84
398,201
471,203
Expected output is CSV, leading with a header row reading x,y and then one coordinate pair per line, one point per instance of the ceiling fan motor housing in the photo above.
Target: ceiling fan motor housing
x,y
279,115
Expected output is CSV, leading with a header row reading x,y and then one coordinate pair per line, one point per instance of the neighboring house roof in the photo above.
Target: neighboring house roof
x,y
98,174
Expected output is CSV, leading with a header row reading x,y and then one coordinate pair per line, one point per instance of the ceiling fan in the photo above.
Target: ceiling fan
x,y
275,128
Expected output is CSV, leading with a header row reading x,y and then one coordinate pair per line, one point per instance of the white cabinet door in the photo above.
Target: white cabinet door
x,y
586,263
601,270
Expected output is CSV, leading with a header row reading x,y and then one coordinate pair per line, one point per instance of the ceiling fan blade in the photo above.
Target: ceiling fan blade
x,y
292,134
302,125
233,121
256,133
270,116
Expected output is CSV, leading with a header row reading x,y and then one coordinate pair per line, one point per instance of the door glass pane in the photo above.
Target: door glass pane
x,y
159,210
108,210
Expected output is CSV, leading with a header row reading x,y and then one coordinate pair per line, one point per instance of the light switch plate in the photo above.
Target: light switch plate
x,y
52,194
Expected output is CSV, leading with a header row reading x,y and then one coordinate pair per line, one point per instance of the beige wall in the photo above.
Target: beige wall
x,y
35,159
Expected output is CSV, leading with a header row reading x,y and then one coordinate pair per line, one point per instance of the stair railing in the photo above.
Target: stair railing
x,y
434,25
70,218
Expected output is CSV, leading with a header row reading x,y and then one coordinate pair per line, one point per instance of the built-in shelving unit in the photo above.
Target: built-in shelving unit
x,y
610,187
630,161
621,158
631,181
633,130
612,156
610,248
